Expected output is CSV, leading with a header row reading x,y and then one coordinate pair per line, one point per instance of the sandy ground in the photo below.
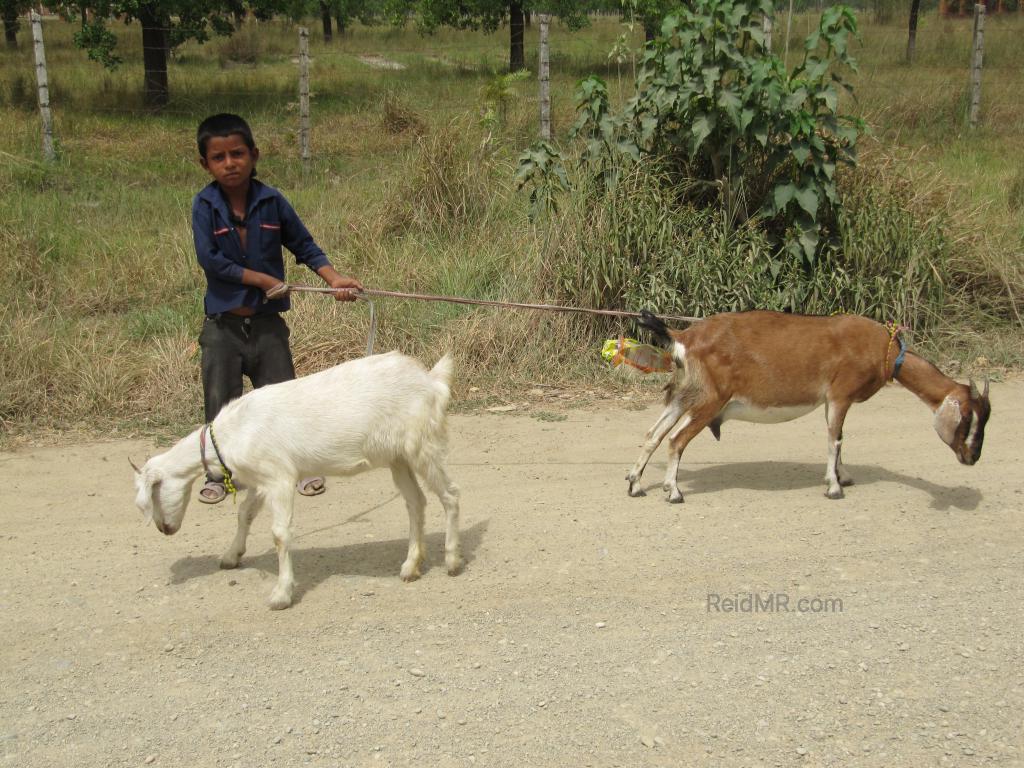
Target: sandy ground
x,y
580,632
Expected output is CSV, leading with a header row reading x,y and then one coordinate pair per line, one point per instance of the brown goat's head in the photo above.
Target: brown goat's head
x,y
960,421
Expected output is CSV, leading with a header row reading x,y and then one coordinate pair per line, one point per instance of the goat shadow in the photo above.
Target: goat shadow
x,y
787,475
314,565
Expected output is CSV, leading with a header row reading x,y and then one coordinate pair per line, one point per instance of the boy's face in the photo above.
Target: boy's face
x,y
230,161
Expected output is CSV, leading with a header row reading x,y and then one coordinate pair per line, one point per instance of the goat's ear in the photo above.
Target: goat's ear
x,y
984,394
947,419
145,497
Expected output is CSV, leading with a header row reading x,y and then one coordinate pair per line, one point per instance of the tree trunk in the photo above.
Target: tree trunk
x,y
527,18
544,75
11,27
650,29
342,26
516,53
154,56
325,17
915,6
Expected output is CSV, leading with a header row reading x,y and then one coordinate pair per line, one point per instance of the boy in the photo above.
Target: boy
x,y
239,225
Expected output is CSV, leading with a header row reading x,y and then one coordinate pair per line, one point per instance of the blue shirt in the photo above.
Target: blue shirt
x,y
270,222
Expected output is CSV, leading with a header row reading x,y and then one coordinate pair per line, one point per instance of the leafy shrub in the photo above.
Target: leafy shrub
x,y
643,245
728,184
719,112
638,246
243,47
450,184
498,94
1015,197
21,93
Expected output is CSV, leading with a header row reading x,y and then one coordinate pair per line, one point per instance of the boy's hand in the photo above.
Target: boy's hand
x,y
278,291
346,287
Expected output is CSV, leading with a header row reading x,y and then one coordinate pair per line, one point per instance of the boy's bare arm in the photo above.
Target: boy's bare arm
x,y
260,280
335,279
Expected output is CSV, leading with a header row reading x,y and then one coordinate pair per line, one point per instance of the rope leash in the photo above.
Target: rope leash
x,y
488,303
365,293
893,328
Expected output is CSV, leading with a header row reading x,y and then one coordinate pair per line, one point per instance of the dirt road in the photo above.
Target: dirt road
x,y
589,628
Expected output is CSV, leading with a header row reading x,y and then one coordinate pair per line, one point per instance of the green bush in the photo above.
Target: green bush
x,y
719,112
729,184
449,185
1015,197
21,92
642,246
246,46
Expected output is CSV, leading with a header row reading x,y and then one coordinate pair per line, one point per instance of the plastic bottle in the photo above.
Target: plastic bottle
x,y
643,357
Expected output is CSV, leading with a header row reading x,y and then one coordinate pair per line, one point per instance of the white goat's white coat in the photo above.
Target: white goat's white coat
x,y
379,411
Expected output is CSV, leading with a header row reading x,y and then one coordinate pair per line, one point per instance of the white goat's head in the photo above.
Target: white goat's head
x,y
161,497
960,421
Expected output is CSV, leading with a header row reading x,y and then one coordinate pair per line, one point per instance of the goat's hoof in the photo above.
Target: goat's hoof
x,y
636,491
454,564
229,561
675,498
409,572
834,494
280,601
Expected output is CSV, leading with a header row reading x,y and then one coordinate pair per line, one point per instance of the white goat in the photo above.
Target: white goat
x,y
383,410
771,367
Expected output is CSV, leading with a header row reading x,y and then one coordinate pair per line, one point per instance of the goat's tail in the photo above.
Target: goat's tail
x,y
657,328
442,370
441,374
426,444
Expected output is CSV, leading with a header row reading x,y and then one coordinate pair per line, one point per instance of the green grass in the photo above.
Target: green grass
x,y
101,300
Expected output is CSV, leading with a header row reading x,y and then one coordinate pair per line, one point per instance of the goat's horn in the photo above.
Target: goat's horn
x,y
974,389
137,470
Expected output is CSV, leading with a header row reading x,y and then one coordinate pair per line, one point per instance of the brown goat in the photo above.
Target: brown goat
x,y
772,367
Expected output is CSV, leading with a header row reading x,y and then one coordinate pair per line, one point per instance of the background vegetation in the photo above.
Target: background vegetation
x,y
411,188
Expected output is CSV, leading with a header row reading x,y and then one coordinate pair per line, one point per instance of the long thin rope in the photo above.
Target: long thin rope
x,y
489,303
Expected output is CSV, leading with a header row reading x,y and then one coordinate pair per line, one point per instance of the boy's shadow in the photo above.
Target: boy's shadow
x,y
785,475
314,565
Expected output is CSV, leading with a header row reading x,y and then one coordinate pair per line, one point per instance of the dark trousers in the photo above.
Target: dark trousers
x,y
234,347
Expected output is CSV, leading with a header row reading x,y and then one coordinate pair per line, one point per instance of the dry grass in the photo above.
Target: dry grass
x,y
101,302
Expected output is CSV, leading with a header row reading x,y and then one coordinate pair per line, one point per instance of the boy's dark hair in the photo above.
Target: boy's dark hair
x,y
222,126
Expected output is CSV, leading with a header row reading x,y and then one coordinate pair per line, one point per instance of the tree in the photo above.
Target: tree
x,y
165,24
325,19
651,13
488,15
11,10
344,11
726,123
915,6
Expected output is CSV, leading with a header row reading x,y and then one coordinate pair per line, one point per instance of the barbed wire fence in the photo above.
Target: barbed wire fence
x,y
563,63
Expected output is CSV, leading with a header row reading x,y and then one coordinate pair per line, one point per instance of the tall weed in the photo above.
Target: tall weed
x,y
639,246
101,298
451,183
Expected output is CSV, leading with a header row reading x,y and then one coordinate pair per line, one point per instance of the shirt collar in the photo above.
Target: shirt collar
x,y
258,191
